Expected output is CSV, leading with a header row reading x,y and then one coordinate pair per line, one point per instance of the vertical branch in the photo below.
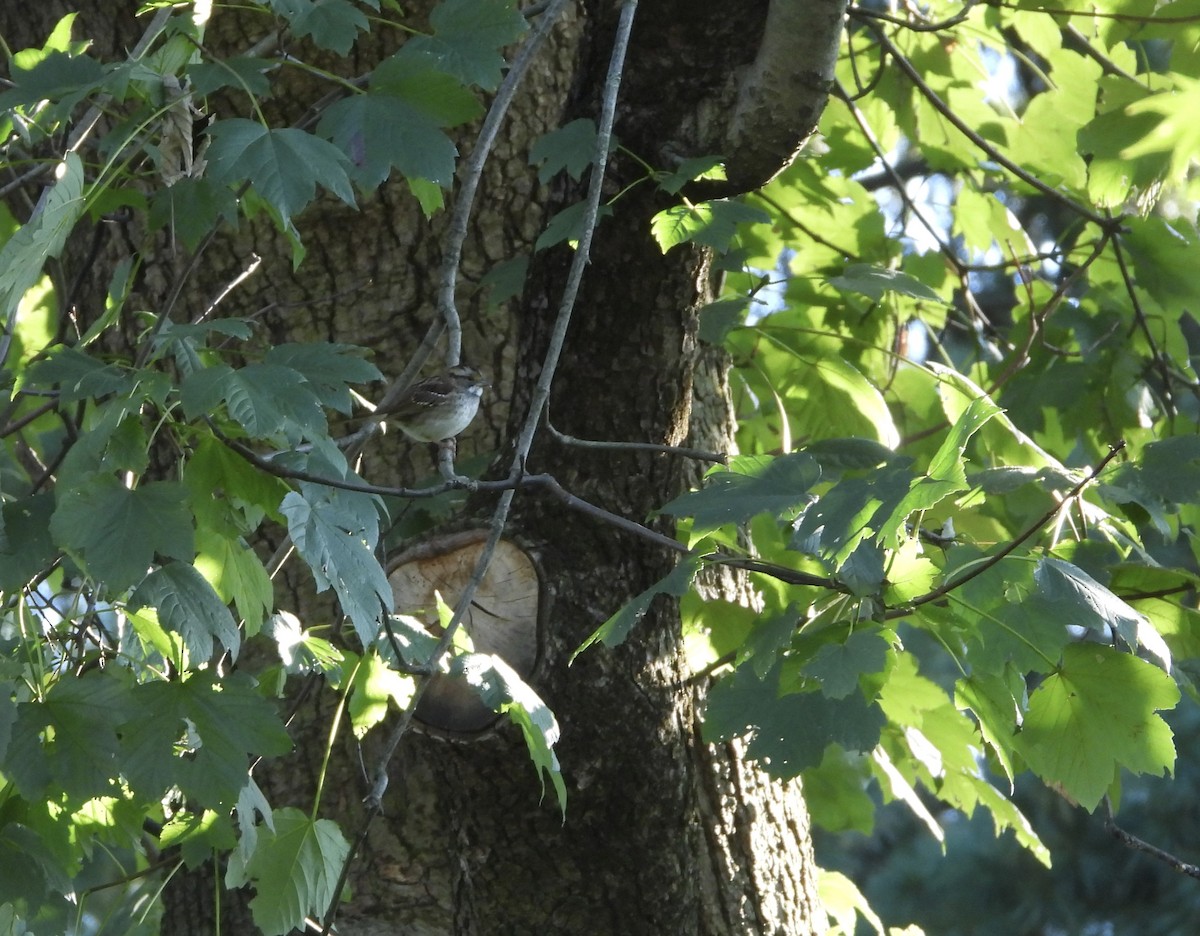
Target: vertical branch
x,y
374,799
456,234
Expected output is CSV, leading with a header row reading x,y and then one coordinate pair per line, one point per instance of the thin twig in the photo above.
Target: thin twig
x,y
698,454
983,145
859,12
1095,14
785,212
1074,39
1138,844
22,421
781,573
1139,315
541,482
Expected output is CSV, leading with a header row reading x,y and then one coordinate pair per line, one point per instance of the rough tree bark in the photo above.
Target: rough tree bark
x,y
663,834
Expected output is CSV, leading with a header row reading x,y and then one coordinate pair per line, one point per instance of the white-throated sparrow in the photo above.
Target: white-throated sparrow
x,y
438,407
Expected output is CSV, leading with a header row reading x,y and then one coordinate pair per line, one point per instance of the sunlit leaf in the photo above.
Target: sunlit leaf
x,y
1096,713
502,689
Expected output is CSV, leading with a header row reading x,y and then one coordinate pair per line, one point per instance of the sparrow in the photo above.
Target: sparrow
x,y
438,407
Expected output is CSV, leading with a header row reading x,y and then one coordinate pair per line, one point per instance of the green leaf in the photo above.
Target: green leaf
x,y
946,474
571,148
245,73
614,631
836,795
689,170
250,805
504,281
710,224
770,634
751,486
1176,130
413,78
828,397
568,225
502,689
835,455
844,902
906,697
1005,815
56,76
375,686
187,605
192,208
26,252
37,851
1083,602
378,132
70,737
328,368
873,282
284,165
1094,714
838,665
236,574
78,375
994,701
429,196
300,650
227,493
788,733
468,36
332,24
269,401
118,531
220,725
294,870
198,835
852,511
718,319
410,638
336,533
10,923
25,543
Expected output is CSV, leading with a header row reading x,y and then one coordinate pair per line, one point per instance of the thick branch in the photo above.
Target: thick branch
x,y
784,90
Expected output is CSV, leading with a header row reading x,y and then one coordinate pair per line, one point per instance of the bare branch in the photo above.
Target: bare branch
x,y
1138,844
1045,519
716,457
456,233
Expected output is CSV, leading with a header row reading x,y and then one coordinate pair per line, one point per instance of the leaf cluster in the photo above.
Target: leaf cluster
x,y
964,375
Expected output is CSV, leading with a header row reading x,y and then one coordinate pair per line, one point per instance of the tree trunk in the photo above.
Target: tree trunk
x,y
663,833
